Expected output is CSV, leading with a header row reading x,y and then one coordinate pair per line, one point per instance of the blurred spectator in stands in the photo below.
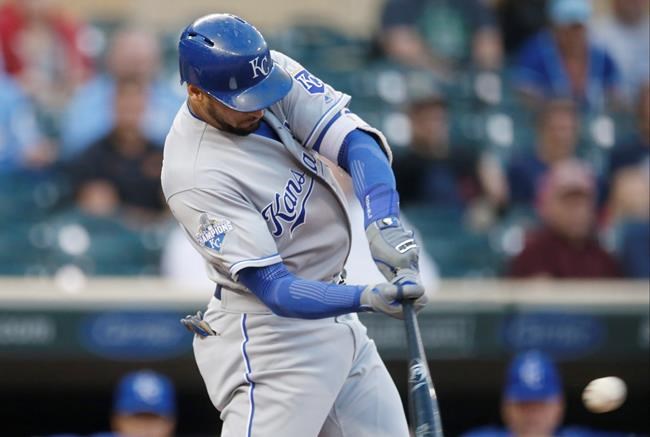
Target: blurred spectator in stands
x,y
626,36
629,198
563,62
519,21
40,48
144,406
133,56
532,402
637,149
21,144
565,245
440,34
433,171
122,169
557,128
629,218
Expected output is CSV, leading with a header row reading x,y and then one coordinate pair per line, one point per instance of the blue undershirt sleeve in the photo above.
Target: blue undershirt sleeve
x,y
287,295
373,180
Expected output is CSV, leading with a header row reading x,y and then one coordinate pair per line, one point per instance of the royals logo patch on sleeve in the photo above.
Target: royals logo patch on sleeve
x,y
311,83
212,231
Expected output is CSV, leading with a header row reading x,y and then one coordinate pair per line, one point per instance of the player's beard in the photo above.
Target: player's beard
x,y
227,127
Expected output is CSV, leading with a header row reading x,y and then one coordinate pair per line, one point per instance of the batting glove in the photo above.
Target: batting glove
x,y
196,325
387,298
411,277
393,248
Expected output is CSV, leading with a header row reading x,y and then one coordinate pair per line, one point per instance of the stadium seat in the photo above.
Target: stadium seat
x,y
457,251
104,246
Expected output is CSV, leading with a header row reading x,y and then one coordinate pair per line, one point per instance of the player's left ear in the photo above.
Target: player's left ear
x,y
195,92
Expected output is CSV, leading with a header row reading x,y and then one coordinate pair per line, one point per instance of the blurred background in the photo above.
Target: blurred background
x,y
521,135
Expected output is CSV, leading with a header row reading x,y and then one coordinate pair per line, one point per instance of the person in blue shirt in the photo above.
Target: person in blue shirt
x,y
556,140
133,56
532,403
22,145
562,61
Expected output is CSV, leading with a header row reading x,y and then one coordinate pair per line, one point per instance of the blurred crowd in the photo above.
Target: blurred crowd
x,y
522,128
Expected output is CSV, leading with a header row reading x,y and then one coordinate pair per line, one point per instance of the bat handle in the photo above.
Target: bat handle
x,y
413,336
428,404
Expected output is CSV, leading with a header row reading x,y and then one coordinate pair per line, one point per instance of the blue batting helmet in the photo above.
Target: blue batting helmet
x,y
228,58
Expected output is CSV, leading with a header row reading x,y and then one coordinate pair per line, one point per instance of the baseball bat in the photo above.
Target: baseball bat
x,y
423,403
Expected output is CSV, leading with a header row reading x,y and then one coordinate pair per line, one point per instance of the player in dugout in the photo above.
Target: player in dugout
x,y
144,405
533,402
248,173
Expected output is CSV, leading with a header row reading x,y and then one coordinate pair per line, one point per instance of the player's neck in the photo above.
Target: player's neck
x,y
201,113
195,110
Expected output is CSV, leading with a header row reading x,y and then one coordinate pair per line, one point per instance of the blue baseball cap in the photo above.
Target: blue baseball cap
x,y
145,391
564,12
532,376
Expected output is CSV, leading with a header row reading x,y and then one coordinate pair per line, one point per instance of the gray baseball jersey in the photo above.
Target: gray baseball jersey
x,y
252,201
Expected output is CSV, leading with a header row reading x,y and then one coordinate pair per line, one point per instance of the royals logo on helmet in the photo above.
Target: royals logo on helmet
x,y
260,65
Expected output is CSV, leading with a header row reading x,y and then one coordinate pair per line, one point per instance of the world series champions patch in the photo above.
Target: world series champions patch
x,y
212,232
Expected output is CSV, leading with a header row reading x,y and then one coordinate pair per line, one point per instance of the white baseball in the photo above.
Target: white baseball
x,y
604,394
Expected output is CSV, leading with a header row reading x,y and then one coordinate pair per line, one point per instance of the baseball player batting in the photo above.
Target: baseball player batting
x,y
280,347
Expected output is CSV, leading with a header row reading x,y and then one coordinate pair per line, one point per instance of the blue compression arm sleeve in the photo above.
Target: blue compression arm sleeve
x,y
374,183
289,296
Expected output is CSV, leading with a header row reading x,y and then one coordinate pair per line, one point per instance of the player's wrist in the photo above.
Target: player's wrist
x,y
386,221
392,247
380,202
361,300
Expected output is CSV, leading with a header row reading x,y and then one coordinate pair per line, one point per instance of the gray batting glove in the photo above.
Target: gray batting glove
x,y
197,326
393,248
387,298
410,277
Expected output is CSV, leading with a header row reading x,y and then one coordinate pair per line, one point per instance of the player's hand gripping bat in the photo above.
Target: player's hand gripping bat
x,y
423,404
